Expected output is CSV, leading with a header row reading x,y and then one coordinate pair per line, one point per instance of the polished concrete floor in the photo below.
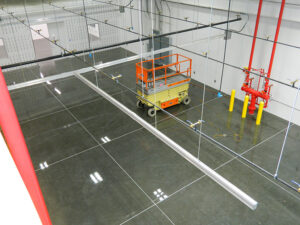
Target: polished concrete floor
x,y
143,180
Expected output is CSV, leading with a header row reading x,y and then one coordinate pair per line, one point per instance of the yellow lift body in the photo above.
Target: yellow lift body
x,y
163,85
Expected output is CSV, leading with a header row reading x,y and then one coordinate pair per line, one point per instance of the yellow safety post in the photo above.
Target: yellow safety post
x,y
259,113
245,107
231,100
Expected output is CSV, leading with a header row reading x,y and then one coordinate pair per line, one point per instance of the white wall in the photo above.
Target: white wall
x,y
286,59
69,29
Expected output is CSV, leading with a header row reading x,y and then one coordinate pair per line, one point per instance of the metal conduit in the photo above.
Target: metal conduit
x,y
232,189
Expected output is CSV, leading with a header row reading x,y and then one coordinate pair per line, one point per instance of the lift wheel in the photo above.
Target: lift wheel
x,y
186,100
139,104
151,112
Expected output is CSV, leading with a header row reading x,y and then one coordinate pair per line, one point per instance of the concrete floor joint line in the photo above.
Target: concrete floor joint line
x,y
236,192
113,159
123,135
222,165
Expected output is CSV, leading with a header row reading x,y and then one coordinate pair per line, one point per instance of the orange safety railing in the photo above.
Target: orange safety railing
x,y
182,66
16,143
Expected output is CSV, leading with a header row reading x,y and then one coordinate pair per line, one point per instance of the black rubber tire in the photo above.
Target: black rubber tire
x,y
151,112
139,104
187,100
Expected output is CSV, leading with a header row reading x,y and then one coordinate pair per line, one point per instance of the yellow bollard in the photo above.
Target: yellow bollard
x,y
259,113
245,107
231,100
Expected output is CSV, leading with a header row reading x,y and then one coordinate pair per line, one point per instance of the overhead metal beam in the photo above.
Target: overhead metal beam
x,y
99,66
85,70
117,44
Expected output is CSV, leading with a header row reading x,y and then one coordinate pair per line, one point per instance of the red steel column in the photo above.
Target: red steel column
x,y
253,97
16,143
275,41
255,34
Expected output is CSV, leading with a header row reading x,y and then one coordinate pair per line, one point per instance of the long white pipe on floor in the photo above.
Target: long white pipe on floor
x,y
236,192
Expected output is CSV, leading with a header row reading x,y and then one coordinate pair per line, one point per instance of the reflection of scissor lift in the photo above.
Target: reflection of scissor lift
x,y
170,86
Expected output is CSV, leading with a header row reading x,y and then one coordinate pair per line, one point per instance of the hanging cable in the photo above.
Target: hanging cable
x,y
204,86
181,31
105,74
86,24
131,19
43,8
225,46
141,44
286,133
153,58
218,28
128,3
190,51
15,43
172,33
11,14
26,14
56,25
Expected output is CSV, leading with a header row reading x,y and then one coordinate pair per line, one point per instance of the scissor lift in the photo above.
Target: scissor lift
x,y
163,85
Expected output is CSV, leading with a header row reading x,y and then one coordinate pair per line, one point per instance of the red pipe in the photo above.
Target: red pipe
x,y
247,80
254,36
275,42
19,152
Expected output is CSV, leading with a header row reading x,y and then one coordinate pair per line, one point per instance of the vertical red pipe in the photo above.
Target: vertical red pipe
x,y
254,36
19,152
253,97
275,41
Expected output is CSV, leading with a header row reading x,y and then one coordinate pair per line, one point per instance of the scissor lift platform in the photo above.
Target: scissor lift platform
x,y
163,85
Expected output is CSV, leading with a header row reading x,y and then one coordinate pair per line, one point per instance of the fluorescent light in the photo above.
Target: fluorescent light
x,y
41,74
107,139
57,91
93,178
44,165
97,175
48,82
103,140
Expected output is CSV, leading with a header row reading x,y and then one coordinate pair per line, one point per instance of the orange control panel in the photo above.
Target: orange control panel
x,y
169,103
